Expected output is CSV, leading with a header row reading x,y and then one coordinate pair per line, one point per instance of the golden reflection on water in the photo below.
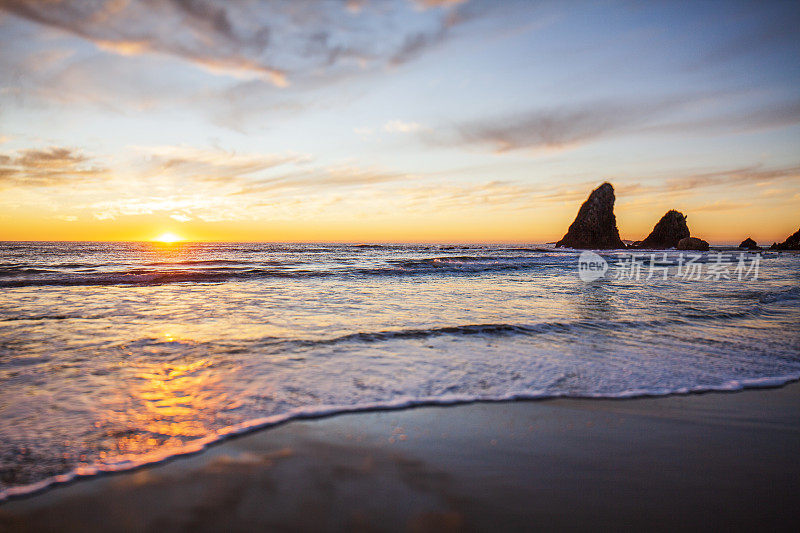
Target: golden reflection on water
x,y
168,252
167,405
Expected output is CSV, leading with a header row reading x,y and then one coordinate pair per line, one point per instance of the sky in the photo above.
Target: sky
x,y
395,120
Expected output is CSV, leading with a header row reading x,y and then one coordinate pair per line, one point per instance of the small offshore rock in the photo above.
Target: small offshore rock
x,y
749,244
692,243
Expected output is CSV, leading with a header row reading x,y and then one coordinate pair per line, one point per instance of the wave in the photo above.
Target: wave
x,y
154,278
141,276
146,276
495,330
472,330
783,295
128,463
37,317
464,260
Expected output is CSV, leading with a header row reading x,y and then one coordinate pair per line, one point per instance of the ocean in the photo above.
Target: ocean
x,y
114,355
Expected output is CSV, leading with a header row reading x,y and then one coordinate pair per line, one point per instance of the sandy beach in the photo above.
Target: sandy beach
x,y
714,460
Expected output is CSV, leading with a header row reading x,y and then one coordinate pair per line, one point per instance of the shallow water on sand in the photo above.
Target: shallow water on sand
x,y
115,354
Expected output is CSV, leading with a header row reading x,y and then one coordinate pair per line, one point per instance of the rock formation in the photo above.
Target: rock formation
x,y
749,244
595,227
791,243
692,243
668,232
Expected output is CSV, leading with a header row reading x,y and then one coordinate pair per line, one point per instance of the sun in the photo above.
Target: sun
x,y
168,237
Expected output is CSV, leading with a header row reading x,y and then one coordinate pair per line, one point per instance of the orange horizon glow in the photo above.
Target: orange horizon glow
x,y
546,224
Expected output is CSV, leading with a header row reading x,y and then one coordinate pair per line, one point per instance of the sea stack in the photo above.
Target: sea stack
x,y
749,244
595,227
692,243
668,232
791,243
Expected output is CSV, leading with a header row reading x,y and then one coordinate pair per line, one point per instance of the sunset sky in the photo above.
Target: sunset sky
x,y
407,120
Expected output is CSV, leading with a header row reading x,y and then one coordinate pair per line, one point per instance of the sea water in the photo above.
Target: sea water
x,y
113,355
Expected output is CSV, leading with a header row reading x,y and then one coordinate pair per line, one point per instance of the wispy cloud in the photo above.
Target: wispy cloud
x,y
453,195
281,42
427,4
209,165
722,205
48,167
219,172
726,185
399,126
363,131
692,181
570,126
559,127
185,183
320,179
766,115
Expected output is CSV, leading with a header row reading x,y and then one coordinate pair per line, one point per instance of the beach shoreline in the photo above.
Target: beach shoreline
x,y
716,459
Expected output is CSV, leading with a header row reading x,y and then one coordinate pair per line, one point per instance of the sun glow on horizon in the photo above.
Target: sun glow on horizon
x,y
168,237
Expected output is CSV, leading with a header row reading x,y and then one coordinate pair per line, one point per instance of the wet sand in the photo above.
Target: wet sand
x,y
715,460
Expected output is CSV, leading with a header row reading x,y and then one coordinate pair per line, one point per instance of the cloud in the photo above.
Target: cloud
x,y
726,186
201,33
721,183
217,172
185,183
279,42
427,4
399,126
355,6
449,195
750,175
570,126
559,127
767,115
321,178
363,131
205,165
49,167
722,205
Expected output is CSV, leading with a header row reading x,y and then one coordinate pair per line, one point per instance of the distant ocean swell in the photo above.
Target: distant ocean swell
x,y
219,271
33,277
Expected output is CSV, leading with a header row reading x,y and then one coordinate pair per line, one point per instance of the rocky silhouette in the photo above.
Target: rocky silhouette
x,y
595,227
749,244
692,243
667,232
791,243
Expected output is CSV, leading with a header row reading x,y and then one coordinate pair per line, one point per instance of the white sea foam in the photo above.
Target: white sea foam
x,y
196,446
